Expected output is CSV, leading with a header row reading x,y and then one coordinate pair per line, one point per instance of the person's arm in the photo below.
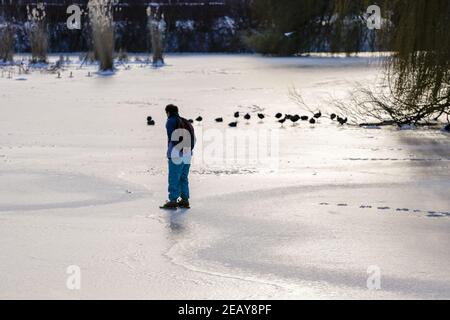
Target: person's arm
x,y
171,126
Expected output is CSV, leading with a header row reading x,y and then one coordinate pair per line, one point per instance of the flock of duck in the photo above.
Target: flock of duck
x,y
281,118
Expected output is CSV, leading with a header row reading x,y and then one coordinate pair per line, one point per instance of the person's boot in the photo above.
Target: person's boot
x,y
170,205
184,204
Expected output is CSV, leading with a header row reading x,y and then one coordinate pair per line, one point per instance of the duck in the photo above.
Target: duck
x,y
233,124
295,118
342,121
278,115
318,115
261,116
312,121
333,116
237,114
247,117
199,119
219,120
304,118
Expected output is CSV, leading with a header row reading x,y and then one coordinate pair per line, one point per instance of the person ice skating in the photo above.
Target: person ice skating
x,y
181,142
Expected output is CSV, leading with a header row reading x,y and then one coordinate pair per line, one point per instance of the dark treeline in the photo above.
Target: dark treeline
x,y
287,27
281,27
275,27
201,26
192,26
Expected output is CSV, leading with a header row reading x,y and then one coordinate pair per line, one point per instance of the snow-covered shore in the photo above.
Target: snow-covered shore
x,y
82,176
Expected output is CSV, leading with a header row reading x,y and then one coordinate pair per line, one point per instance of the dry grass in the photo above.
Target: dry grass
x,y
101,18
157,28
7,43
37,33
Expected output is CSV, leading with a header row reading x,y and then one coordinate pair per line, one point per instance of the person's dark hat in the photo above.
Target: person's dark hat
x,y
171,109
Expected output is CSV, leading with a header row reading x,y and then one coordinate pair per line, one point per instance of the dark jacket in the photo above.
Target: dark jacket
x,y
173,123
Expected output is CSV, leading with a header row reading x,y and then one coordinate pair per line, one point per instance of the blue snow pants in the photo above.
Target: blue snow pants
x,y
178,181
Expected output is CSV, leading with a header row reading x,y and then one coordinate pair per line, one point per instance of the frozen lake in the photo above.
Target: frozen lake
x,y
82,177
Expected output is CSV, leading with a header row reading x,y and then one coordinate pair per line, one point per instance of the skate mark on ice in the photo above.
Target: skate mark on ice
x,y
399,159
225,171
430,213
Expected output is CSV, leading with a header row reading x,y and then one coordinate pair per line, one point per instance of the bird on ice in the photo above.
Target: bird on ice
x,y
295,119
342,121
282,121
150,121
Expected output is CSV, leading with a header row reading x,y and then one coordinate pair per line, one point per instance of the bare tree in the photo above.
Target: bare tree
x,y
101,18
6,42
157,28
388,106
37,33
418,72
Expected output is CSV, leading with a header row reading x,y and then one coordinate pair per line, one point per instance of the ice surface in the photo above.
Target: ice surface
x,y
82,177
